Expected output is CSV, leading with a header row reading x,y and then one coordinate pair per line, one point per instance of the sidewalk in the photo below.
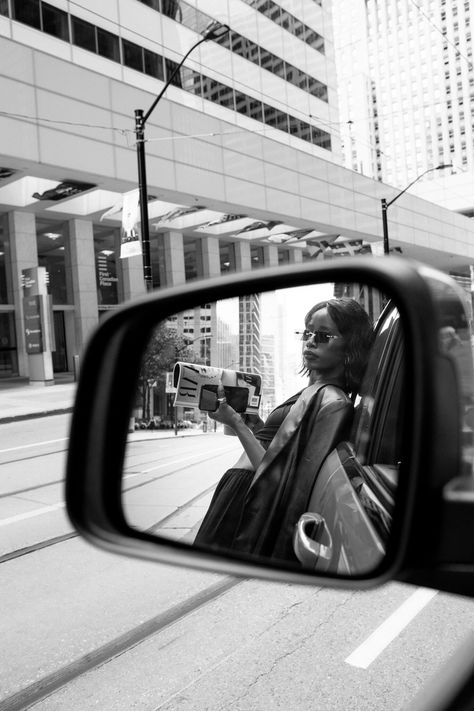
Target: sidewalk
x,y
23,402
26,402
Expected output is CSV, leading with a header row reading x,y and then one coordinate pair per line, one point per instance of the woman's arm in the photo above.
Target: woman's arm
x,y
253,450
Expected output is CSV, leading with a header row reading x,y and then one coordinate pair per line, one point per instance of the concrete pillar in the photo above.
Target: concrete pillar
x,y
296,256
24,255
243,262
270,255
174,258
132,281
82,269
211,262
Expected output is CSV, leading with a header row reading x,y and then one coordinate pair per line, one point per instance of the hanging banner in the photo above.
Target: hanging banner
x,y
130,242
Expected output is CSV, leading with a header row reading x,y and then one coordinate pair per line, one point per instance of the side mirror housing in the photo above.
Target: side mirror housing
x,y
429,541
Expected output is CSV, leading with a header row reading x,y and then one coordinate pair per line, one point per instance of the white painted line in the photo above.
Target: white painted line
x,y
35,444
374,645
31,514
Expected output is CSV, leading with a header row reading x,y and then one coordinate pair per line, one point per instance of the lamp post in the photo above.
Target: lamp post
x,y
386,204
212,31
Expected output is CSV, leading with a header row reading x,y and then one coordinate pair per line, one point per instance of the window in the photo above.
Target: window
x,y
171,67
153,64
132,55
28,12
52,240
191,81
4,261
84,35
106,245
192,258
55,22
108,45
227,257
257,257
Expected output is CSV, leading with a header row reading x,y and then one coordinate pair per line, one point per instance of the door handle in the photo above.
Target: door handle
x,y
312,542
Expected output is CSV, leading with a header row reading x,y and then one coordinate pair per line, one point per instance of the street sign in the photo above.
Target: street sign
x,y
32,307
170,388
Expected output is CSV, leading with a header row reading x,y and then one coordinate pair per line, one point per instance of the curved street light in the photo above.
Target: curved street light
x,y
213,31
386,205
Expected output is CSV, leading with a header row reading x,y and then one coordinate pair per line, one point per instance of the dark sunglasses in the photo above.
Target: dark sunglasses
x,y
317,336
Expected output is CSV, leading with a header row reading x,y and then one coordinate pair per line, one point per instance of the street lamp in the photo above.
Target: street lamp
x,y
213,31
386,205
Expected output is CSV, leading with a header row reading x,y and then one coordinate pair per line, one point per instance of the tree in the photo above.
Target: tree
x,y
165,348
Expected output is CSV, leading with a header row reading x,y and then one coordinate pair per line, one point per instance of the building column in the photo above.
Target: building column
x,y
211,262
296,256
81,258
132,280
24,255
175,272
270,255
243,261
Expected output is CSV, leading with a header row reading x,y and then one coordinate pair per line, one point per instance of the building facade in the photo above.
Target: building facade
x,y
407,85
51,217
242,155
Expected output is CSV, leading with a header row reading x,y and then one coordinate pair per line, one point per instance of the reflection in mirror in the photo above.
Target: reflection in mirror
x,y
270,425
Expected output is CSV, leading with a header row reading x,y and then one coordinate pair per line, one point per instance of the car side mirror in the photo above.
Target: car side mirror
x,y
355,481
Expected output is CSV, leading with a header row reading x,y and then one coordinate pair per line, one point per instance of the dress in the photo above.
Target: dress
x,y
223,515
256,512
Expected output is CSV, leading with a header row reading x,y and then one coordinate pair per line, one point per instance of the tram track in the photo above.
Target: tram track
x,y
49,684
129,470
55,540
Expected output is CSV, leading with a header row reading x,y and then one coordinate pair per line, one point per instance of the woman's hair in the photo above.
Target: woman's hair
x,y
354,324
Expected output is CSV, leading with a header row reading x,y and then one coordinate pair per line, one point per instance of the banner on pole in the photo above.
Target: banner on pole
x,y
130,241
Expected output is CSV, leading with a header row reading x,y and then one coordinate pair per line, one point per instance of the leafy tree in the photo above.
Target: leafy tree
x,y
165,348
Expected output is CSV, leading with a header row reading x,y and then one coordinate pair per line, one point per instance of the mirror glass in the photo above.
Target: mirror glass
x,y
270,425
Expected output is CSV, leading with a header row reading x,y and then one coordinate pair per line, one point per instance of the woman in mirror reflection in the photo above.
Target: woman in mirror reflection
x,y
257,502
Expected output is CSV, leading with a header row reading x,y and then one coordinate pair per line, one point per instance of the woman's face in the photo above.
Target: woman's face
x,y
325,358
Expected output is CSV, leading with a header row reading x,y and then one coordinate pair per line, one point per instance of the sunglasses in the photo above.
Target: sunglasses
x,y
317,336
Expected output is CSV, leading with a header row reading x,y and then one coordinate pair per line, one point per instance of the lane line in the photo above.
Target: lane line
x,y
34,444
374,645
55,507
31,514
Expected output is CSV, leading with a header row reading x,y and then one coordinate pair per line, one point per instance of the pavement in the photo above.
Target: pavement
x,y
25,401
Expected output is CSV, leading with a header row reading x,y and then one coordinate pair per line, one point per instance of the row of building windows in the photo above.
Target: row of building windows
x,y
197,21
51,20
289,22
191,17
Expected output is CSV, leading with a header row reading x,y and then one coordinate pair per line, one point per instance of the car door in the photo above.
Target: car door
x,y
350,509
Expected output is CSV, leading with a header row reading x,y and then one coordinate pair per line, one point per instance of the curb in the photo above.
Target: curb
x,y
34,415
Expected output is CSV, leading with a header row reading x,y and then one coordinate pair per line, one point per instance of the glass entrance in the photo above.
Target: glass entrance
x,y
60,354
8,350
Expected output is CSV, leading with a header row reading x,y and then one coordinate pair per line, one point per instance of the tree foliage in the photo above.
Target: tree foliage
x,y
165,348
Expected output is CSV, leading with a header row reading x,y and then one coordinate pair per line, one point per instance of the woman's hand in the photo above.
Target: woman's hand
x,y
224,413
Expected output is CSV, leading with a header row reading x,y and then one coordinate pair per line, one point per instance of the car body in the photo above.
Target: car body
x,y
354,492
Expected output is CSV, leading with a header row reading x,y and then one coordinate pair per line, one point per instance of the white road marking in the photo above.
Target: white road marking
x,y
374,645
55,507
35,444
31,514
173,462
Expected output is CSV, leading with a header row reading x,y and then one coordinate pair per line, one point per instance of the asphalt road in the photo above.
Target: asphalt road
x,y
82,628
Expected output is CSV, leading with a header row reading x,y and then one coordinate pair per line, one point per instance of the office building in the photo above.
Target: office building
x,y
72,76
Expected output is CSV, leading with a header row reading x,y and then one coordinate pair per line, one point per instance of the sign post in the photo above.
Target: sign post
x,y
38,330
